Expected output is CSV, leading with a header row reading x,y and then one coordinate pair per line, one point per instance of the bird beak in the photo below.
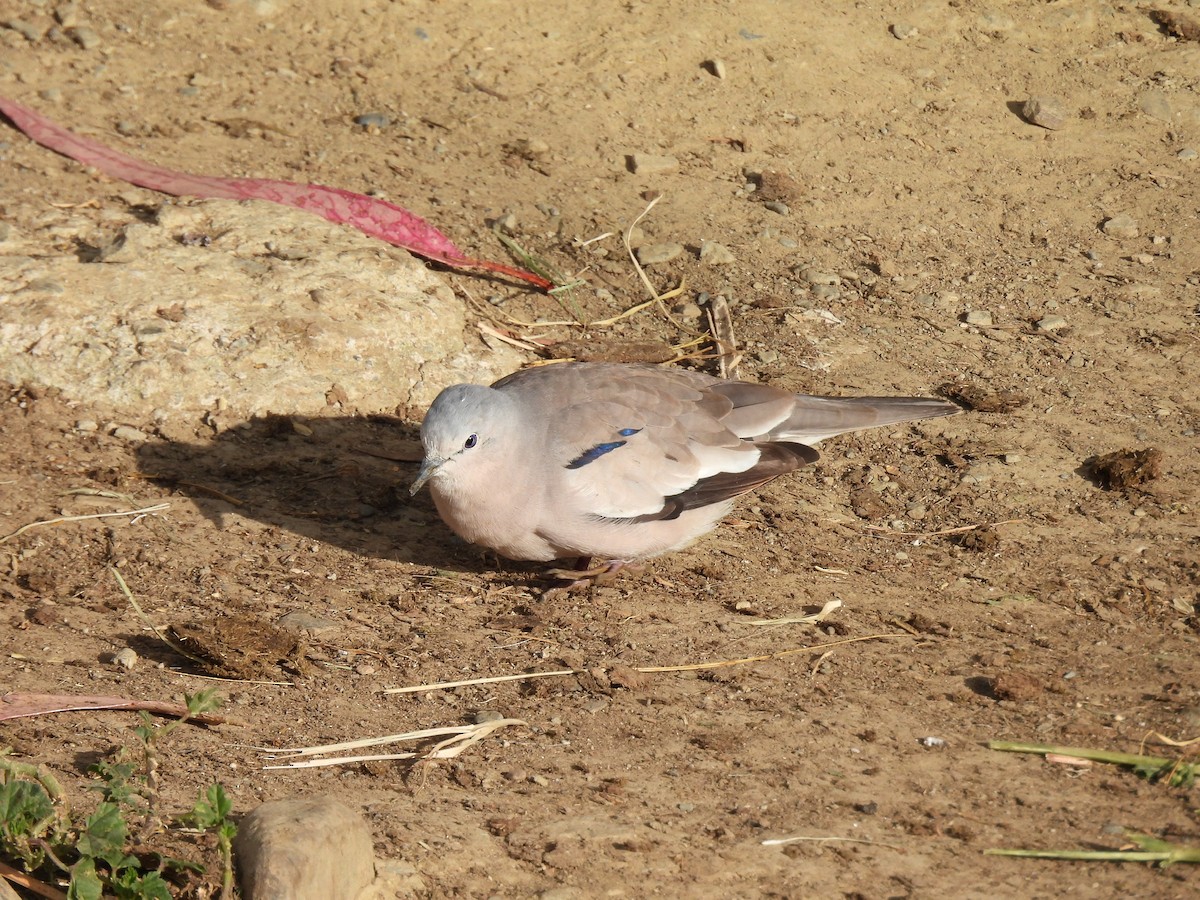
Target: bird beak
x,y
429,468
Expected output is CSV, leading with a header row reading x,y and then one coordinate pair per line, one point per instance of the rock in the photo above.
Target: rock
x,y
1187,153
1156,106
1121,226
507,223
313,848
85,37
658,253
980,317
27,30
373,120
183,324
816,276
129,433
649,164
1048,112
716,67
777,206
689,311
902,31
125,659
716,254
87,425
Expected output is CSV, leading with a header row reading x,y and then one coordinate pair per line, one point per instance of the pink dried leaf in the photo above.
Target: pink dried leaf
x,y
369,215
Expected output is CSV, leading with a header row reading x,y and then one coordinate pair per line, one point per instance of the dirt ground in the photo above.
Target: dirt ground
x,y
869,169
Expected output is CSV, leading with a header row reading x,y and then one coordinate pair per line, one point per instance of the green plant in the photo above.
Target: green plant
x,y
106,851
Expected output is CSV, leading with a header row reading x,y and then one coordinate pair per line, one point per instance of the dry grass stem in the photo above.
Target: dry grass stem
x,y
826,611
779,842
136,513
454,741
720,322
646,670
962,529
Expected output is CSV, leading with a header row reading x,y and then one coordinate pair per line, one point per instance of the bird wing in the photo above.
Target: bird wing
x,y
644,443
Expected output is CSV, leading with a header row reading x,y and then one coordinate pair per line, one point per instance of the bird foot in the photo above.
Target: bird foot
x,y
584,575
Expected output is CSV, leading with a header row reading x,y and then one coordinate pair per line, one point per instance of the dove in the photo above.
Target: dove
x,y
621,462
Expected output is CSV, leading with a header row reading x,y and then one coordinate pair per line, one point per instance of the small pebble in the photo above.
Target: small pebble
x,y
933,742
67,15
86,425
658,253
1187,153
539,780
1048,112
715,254
1011,458
1121,226
483,716
378,120
777,206
902,31
507,223
125,659
649,164
688,310
816,276
980,317
716,67
916,511
129,433
85,37
30,32
826,292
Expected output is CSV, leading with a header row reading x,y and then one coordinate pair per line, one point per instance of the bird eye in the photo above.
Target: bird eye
x,y
471,442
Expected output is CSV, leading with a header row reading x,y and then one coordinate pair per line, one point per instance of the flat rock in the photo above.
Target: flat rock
x,y
1048,112
193,309
1121,226
311,848
715,254
658,253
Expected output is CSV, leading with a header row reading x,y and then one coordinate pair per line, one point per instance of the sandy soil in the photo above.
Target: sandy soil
x,y
900,167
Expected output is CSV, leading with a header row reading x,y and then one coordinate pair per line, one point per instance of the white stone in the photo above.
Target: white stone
x,y
182,326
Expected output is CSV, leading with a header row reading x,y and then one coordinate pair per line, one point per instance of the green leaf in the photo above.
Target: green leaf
x,y
131,885
85,883
104,836
23,805
213,807
117,777
202,701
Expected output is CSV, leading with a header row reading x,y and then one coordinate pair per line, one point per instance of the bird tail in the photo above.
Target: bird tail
x,y
816,418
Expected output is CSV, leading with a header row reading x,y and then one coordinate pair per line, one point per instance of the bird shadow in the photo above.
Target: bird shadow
x,y
341,480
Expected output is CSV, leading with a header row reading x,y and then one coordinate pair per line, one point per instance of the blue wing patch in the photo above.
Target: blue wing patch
x,y
594,454
599,450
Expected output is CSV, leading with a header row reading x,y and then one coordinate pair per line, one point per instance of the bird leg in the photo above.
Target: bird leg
x,y
584,574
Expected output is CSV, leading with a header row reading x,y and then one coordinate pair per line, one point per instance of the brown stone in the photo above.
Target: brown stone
x,y
310,848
